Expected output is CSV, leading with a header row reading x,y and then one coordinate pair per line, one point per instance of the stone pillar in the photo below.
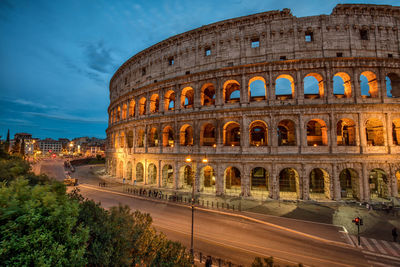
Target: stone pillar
x,y
244,132
244,91
394,182
329,85
336,183
301,134
361,133
178,91
176,175
332,141
161,105
355,86
388,137
381,76
245,185
197,168
219,180
218,93
299,88
159,180
197,96
219,132
304,184
364,184
274,187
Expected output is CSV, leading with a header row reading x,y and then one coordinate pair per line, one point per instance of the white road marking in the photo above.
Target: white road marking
x,y
379,247
390,248
354,239
365,242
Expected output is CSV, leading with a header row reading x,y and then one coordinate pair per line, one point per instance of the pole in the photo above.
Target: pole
x,y
191,240
358,234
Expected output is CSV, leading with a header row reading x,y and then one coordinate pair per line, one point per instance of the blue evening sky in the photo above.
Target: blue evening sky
x,y
57,57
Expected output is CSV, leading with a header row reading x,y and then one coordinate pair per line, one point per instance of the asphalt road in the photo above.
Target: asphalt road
x,y
227,237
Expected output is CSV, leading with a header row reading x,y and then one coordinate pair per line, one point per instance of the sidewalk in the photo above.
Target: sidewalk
x,y
378,246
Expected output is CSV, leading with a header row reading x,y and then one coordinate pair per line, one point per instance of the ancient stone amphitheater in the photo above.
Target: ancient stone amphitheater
x,y
266,105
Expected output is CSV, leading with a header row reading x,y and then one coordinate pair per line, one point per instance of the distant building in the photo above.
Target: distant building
x,y
49,145
28,140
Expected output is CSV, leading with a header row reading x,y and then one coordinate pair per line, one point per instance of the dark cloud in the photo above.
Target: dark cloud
x,y
99,57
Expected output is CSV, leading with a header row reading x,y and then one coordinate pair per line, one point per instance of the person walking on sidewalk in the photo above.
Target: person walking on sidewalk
x,y
394,234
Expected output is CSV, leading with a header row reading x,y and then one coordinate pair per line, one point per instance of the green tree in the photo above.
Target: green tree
x,y
39,226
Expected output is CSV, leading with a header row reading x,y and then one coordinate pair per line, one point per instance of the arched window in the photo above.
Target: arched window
x,y
259,179
167,176
257,89
142,106
393,85
396,132
369,85
207,177
258,133
232,134
286,133
341,85
207,135
233,180
168,137
317,133
154,103
208,95
152,174
122,139
289,186
140,138
319,184
153,137
169,100
231,91
116,142
284,87
187,97
346,132
139,172
124,111
349,183
129,138
313,86
121,169
132,105
378,184
374,132
186,176
129,171
186,135
118,113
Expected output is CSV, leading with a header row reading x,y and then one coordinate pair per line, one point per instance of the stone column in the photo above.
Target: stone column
x,y
355,85
197,96
219,180
161,105
381,76
244,132
388,137
301,137
177,97
159,180
304,184
299,88
245,185
332,141
361,133
176,175
364,184
274,183
336,183
218,93
244,91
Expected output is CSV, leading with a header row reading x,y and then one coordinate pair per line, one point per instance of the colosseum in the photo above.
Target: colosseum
x,y
265,105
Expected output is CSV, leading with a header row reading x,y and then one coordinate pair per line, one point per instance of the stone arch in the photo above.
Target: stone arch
x,y
231,135
122,139
313,86
317,133
153,137
342,85
208,94
186,177
121,169
208,135
114,168
289,183
319,184
139,172
346,132
118,113
396,132
132,105
124,111
207,179
152,174
129,138
258,133
154,103
142,106
186,135
393,84
378,184
116,142
231,91
169,100
259,181
374,132
129,171
397,175
167,176
369,84
349,184
140,136
233,181
257,89
286,133
284,87
168,136
187,97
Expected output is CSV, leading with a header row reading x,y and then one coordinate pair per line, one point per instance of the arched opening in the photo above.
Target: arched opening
x,y
258,133
259,181
130,138
349,184
153,137
286,133
118,113
369,85
289,183
186,177
317,133
207,135
129,171
169,100
231,91
140,138
378,184
319,184
284,87
142,106
398,181
374,132
187,97
257,89
139,172
341,85
154,103
124,111
116,142
313,86
186,135
121,170
393,85
168,137
122,140
114,168
208,94
232,134
132,105
396,132
152,174
346,132
167,176
207,178
232,181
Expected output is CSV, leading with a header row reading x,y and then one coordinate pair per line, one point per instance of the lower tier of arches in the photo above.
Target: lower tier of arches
x,y
316,178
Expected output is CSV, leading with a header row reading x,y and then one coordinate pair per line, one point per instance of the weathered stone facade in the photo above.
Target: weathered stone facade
x,y
192,95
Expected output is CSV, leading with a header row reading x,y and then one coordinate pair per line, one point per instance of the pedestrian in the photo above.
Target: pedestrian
x,y
394,234
208,261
